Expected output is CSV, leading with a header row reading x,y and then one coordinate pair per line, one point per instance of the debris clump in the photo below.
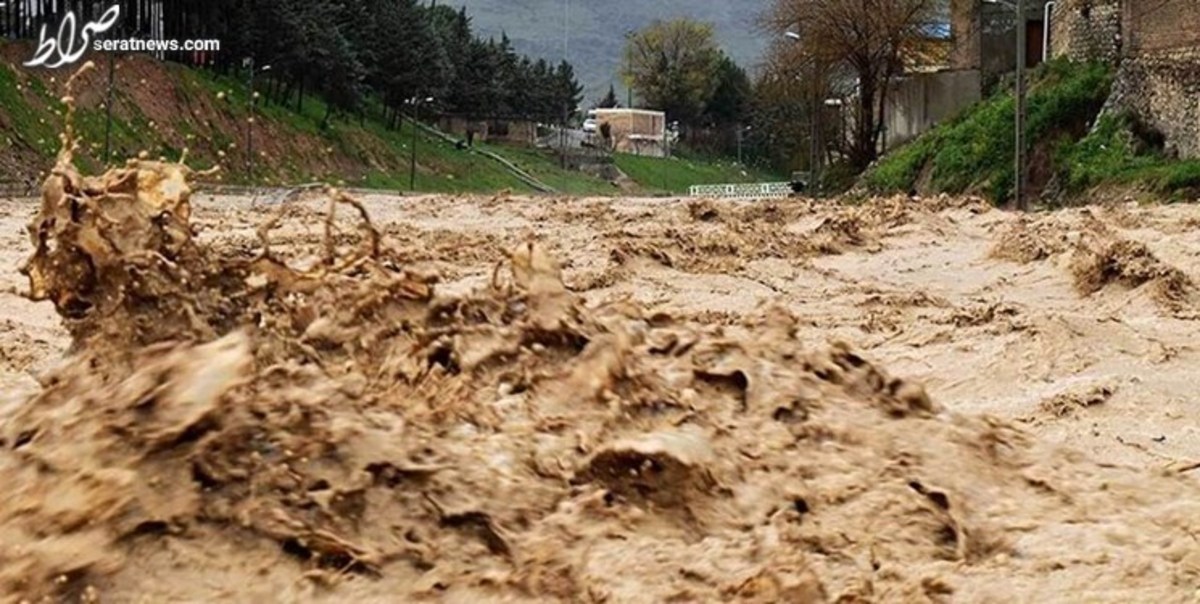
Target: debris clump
x,y
1130,264
1027,240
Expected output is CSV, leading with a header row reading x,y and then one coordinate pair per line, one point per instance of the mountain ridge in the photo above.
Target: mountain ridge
x,y
595,31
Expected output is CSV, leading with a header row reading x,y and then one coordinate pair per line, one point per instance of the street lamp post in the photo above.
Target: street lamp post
x,y
814,136
1020,164
839,105
112,67
108,103
1019,167
416,103
741,132
250,121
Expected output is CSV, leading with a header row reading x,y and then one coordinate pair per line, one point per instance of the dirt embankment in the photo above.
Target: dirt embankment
x,y
163,108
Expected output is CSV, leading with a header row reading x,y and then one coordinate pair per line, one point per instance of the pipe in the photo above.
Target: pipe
x,y
1022,50
1050,6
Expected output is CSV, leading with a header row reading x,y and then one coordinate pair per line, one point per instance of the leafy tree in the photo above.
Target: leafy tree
x,y
730,100
673,65
780,114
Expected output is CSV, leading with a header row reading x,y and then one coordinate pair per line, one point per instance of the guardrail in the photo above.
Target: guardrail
x,y
761,190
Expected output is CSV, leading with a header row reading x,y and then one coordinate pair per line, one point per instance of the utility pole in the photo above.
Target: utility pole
x,y
563,135
814,135
250,123
416,103
1020,172
739,143
412,148
108,103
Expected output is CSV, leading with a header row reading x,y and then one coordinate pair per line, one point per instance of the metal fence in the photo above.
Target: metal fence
x,y
762,190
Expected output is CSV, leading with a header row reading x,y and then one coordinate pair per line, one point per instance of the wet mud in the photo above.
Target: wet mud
x,y
298,404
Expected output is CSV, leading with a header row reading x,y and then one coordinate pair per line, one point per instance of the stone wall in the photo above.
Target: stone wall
x,y
1156,43
1087,30
1160,74
1162,26
965,24
1165,94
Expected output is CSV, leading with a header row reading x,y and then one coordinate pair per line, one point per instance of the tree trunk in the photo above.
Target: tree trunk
x,y
880,133
864,150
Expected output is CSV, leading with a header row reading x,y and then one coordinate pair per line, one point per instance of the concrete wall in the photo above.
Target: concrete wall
x,y
513,131
919,102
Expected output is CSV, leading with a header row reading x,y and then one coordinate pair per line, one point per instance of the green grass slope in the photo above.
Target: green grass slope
x,y
675,175
160,109
1072,152
1118,152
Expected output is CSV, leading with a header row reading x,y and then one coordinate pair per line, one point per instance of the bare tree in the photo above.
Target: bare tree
x,y
870,39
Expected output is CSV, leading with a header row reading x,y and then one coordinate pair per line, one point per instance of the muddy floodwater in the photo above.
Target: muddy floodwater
x,y
474,399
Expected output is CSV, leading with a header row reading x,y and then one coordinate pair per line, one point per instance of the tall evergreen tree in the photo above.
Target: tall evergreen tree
x,y
610,99
342,50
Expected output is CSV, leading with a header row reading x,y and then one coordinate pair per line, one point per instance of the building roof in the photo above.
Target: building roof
x,y
629,111
937,30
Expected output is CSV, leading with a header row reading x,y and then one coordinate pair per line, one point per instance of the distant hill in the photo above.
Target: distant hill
x,y
596,29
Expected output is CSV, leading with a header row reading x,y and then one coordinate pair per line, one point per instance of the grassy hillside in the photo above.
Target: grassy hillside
x,y
162,109
544,166
1068,157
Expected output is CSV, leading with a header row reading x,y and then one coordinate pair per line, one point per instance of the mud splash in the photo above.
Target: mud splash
x,y
328,415
1029,240
1131,264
